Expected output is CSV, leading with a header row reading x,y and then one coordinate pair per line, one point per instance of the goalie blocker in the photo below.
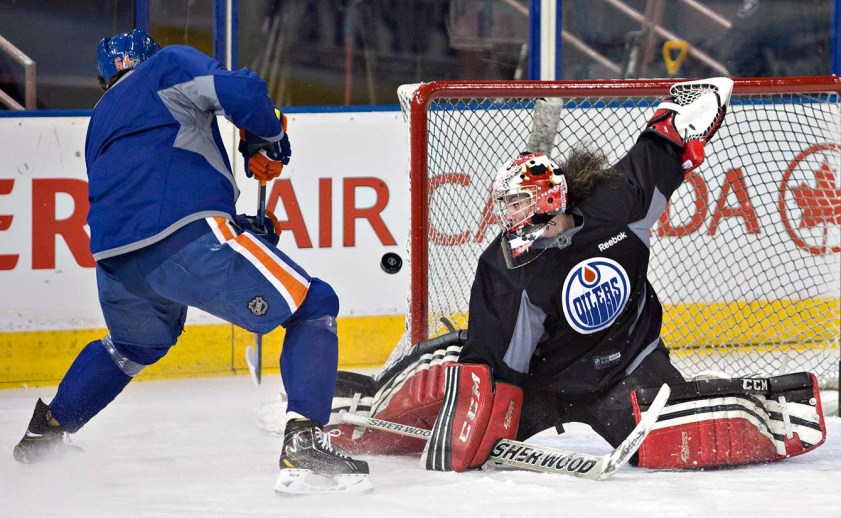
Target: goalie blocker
x,y
476,412
727,422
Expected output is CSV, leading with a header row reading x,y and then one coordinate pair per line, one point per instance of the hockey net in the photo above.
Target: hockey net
x,y
747,258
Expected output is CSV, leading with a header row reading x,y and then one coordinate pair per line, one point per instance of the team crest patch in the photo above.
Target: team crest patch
x,y
258,306
595,292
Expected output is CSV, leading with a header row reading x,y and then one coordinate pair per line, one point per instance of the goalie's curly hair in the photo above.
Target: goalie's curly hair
x,y
585,169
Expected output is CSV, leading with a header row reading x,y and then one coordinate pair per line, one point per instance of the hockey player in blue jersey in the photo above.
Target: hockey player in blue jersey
x,y
165,236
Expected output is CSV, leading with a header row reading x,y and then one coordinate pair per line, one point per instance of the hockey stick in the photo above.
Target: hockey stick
x,y
533,457
254,357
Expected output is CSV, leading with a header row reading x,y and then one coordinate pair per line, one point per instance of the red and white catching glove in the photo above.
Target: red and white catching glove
x,y
691,115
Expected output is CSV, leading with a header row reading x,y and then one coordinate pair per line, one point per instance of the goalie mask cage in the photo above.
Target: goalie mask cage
x,y
746,260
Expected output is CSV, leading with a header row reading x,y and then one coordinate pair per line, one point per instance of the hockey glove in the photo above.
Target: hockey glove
x,y
264,160
475,414
691,115
269,231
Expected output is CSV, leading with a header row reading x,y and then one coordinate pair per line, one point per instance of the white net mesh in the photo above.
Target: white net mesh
x,y
746,260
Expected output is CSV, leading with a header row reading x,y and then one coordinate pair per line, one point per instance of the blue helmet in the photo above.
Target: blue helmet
x,y
123,51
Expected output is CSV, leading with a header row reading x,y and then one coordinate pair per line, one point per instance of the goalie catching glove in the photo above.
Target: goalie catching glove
x,y
691,115
264,159
728,422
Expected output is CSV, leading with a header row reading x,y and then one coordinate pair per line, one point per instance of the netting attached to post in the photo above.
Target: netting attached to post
x,y
747,257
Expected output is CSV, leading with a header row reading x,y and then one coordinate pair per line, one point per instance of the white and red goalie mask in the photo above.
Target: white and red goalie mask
x,y
528,192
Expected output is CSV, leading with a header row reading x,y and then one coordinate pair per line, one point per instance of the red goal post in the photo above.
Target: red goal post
x,y
747,257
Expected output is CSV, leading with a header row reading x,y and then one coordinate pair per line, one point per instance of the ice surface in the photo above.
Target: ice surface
x,y
190,448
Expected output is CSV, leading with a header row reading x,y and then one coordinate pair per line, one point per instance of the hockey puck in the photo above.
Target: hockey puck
x,y
391,263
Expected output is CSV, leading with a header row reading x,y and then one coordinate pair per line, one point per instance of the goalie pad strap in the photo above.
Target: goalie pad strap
x,y
801,383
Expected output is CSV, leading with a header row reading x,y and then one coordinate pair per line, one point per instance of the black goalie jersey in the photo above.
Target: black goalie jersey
x,y
583,314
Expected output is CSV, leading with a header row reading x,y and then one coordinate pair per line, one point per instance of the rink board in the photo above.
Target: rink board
x,y
342,207
40,358
340,210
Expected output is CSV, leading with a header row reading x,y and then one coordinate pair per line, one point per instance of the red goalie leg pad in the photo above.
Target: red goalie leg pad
x,y
353,441
706,433
473,416
413,399
715,442
734,421
416,400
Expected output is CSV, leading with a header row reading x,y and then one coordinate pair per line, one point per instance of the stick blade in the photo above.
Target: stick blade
x,y
623,453
251,361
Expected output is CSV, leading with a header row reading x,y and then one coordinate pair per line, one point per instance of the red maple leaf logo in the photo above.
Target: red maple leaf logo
x,y
821,204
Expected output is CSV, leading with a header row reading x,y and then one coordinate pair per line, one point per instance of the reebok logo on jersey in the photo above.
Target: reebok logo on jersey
x,y
612,241
595,293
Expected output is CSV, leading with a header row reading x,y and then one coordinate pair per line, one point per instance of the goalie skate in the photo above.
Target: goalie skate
x,y
310,465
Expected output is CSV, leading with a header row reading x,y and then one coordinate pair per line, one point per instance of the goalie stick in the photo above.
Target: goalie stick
x,y
533,457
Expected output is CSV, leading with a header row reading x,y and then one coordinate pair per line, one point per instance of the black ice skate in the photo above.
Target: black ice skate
x,y
309,464
42,441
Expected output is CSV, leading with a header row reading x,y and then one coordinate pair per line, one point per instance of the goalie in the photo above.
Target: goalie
x,y
565,326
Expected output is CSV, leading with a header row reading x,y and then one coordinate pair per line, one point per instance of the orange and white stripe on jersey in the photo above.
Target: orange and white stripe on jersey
x,y
290,284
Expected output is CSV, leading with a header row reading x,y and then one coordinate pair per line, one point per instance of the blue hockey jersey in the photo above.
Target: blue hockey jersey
x,y
155,158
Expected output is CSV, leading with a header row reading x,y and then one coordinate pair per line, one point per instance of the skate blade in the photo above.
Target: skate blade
x,y
31,456
305,482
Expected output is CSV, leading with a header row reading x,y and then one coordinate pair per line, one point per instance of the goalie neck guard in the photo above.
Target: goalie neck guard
x,y
528,191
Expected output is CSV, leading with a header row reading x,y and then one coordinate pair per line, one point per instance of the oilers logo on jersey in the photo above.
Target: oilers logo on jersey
x,y
594,294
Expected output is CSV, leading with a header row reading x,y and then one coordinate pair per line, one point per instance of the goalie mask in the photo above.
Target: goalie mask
x,y
528,192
